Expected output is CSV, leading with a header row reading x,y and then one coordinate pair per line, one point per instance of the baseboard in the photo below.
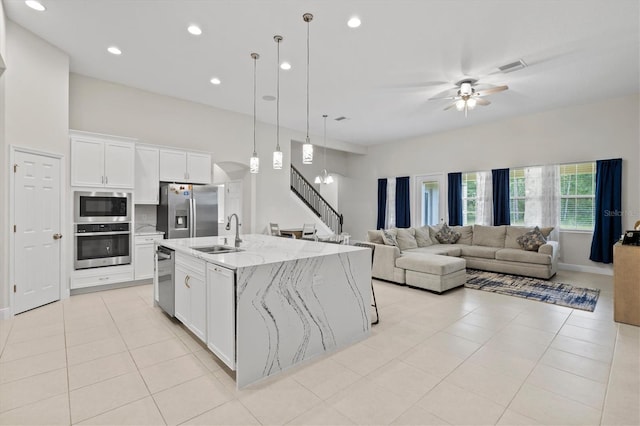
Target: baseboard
x,y
584,268
5,313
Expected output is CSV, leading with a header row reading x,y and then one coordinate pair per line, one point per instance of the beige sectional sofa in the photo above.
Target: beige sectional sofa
x,y
489,248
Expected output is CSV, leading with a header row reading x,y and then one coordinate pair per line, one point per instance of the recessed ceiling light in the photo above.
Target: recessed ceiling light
x,y
215,80
35,5
285,66
354,22
194,29
114,50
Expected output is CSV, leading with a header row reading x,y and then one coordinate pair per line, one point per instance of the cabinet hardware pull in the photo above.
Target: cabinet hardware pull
x,y
106,179
186,281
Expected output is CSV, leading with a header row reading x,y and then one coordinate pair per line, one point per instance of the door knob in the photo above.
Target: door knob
x,y
57,236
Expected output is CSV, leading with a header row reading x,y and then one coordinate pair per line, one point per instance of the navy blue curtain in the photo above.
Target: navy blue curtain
x,y
382,203
608,210
403,216
455,199
501,205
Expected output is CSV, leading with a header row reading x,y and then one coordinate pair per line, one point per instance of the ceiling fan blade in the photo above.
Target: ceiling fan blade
x,y
491,90
481,101
450,106
443,97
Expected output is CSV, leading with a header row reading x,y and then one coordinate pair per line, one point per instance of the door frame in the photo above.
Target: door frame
x,y
416,193
63,288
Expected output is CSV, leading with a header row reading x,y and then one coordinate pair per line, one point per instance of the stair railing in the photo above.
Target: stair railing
x,y
312,198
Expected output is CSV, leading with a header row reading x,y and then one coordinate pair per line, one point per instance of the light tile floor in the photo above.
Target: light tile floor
x,y
465,357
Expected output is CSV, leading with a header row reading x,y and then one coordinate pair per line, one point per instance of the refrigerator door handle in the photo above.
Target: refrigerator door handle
x,y
194,215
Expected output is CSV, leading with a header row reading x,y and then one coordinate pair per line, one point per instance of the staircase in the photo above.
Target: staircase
x,y
312,198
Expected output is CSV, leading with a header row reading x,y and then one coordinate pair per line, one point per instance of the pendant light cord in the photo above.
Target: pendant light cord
x,y
308,25
278,100
325,141
255,61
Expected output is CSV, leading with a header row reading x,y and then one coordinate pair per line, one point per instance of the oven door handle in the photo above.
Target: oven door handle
x,y
95,234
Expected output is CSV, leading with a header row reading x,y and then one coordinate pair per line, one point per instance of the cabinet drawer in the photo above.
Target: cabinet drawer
x,y
197,266
147,239
101,279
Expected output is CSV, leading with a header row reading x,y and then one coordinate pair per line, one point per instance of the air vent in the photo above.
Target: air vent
x,y
342,117
513,66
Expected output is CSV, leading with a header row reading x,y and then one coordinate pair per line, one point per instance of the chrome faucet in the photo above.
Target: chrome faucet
x,y
228,227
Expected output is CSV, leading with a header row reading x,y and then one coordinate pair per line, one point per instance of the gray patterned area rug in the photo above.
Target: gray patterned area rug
x,y
534,288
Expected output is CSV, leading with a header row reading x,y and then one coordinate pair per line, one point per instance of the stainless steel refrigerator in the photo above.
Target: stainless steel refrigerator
x,y
187,211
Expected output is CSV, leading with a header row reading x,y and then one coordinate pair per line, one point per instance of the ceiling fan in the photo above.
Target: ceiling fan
x,y
469,94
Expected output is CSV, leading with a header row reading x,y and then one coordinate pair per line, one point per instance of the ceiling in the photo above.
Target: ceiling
x,y
379,75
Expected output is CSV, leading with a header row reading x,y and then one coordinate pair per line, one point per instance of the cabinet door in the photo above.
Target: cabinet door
x,y
147,186
198,295
87,162
182,295
144,261
173,165
221,307
198,167
119,160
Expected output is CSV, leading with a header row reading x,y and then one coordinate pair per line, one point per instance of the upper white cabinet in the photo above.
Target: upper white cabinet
x,y
102,160
182,166
147,175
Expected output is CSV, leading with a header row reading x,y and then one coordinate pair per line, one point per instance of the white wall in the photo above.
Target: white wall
x,y
104,107
4,176
35,107
601,130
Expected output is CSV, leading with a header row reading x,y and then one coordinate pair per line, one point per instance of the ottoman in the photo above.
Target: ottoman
x,y
432,271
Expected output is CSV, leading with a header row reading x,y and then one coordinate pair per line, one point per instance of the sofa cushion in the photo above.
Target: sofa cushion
x,y
519,255
433,230
443,249
430,264
422,237
480,251
389,237
466,234
406,238
447,235
532,240
375,236
489,236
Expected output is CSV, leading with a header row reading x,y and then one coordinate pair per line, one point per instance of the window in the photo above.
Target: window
x,y
430,199
577,196
469,198
517,195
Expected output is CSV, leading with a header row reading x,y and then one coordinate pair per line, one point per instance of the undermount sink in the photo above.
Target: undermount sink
x,y
216,249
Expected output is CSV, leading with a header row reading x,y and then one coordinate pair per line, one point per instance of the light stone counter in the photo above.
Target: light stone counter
x,y
295,300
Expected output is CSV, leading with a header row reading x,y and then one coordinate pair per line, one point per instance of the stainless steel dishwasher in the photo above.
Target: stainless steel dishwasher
x,y
166,279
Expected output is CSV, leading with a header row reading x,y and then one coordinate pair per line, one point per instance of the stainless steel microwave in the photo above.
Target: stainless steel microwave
x,y
102,207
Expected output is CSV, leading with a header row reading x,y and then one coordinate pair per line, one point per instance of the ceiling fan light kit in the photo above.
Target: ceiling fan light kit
x,y
467,96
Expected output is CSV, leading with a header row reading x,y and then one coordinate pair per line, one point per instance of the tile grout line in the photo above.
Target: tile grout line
x,y
606,390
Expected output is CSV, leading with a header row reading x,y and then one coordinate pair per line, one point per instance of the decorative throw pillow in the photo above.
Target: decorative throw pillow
x,y
389,237
422,237
532,240
447,235
375,236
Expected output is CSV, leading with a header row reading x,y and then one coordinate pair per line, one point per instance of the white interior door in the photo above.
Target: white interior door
x,y
37,244
430,199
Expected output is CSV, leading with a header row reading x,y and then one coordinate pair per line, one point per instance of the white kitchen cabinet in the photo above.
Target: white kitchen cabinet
x,y
183,166
144,260
102,160
147,182
101,276
221,305
190,296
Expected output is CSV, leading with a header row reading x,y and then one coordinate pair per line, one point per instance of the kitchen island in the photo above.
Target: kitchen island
x,y
273,304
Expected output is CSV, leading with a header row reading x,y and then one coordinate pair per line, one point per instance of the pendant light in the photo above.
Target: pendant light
x,y
277,154
324,176
254,161
307,148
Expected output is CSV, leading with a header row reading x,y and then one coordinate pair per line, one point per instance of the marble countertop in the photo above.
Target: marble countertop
x,y
257,249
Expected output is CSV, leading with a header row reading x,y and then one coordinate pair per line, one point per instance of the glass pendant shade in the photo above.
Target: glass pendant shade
x,y
307,152
318,179
471,103
277,160
254,163
460,104
329,179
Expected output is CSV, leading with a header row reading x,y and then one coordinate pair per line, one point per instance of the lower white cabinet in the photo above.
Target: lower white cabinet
x,y
221,307
101,276
190,297
144,258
